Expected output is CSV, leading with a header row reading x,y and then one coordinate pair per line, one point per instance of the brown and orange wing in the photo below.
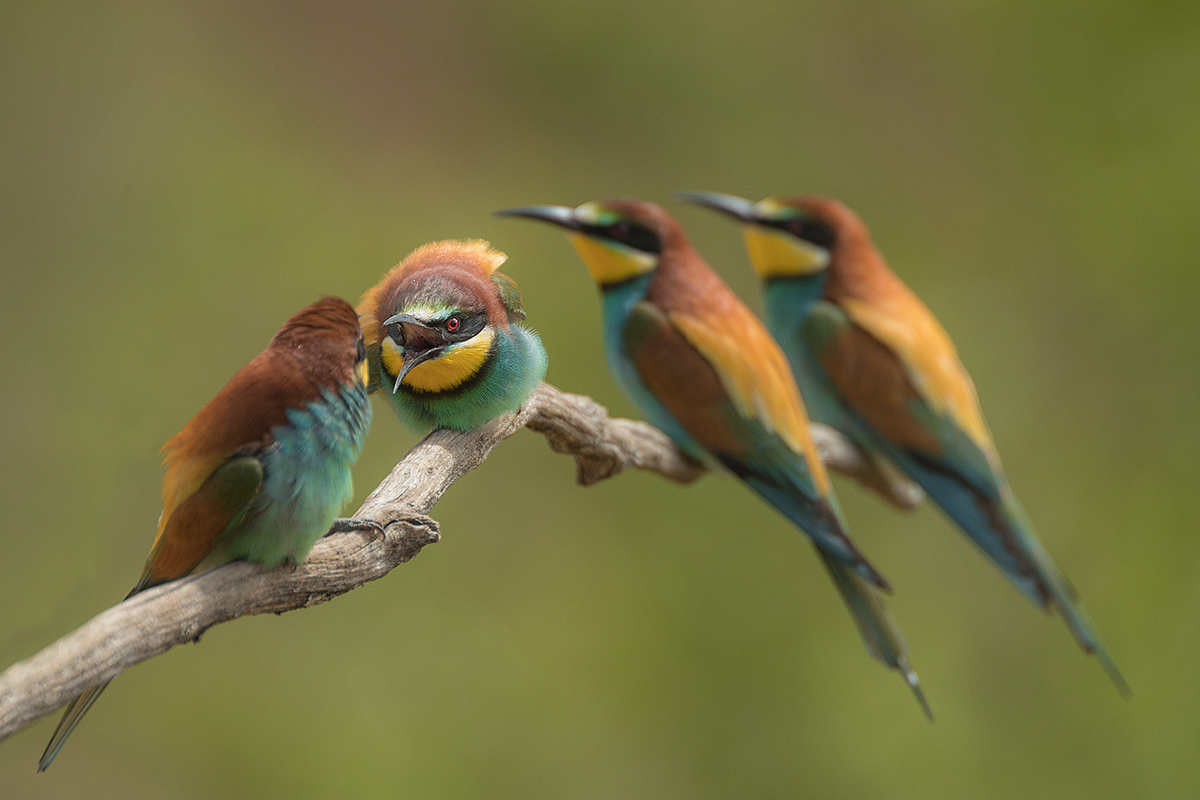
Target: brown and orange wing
x,y
756,377
208,475
681,380
187,536
876,366
742,407
874,383
925,352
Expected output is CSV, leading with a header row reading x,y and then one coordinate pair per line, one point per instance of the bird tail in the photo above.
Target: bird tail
x,y
1000,527
70,718
879,630
1059,590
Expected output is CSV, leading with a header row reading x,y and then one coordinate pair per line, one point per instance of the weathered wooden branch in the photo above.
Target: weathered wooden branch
x,y
157,619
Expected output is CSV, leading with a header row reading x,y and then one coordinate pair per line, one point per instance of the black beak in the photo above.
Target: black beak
x,y
562,216
421,343
737,207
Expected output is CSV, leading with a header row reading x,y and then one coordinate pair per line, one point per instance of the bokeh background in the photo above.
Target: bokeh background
x,y
178,178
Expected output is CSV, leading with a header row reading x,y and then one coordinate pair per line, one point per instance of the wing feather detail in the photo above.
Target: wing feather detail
x,y
907,327
189,533
756,376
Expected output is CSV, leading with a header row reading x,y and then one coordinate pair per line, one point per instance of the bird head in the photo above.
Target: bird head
x,y
618,239
786,237
434,317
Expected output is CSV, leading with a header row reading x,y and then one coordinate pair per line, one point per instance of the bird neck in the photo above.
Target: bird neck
x,y
617,301
859,271
787,304
618,298
797,293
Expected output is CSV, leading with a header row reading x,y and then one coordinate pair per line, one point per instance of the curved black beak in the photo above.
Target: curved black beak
x,y
562,216
421,343
737,207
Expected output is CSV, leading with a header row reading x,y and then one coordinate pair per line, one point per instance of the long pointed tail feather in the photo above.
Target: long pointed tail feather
x,y
1002,529
1062,593
70,718
879,630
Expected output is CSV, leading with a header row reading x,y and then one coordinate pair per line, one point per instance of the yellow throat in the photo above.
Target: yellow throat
x,y
457,364
776,254
611,263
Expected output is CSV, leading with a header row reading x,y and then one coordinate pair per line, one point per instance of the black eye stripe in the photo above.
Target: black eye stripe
x,y
455,328
468,326
627,233
810,230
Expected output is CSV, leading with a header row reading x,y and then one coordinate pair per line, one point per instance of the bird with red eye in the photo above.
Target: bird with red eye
x,y
445,338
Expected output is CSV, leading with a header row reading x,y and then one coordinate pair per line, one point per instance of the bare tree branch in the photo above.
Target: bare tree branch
x,y
842,455
157,619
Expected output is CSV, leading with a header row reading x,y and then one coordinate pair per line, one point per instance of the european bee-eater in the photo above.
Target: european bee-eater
x,y
874,362
699,365
445,336
262,470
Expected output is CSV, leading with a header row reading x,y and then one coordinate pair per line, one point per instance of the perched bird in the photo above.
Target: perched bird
x,y
699,365
262,470
445,339
874,362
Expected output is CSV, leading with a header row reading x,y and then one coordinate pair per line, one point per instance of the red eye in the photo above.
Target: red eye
x,y
452,324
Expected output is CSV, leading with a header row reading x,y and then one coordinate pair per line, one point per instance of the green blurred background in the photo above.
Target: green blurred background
x,y
178,178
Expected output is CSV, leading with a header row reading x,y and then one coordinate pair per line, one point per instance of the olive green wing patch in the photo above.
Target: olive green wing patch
x,y
374,367
220,503
510,296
